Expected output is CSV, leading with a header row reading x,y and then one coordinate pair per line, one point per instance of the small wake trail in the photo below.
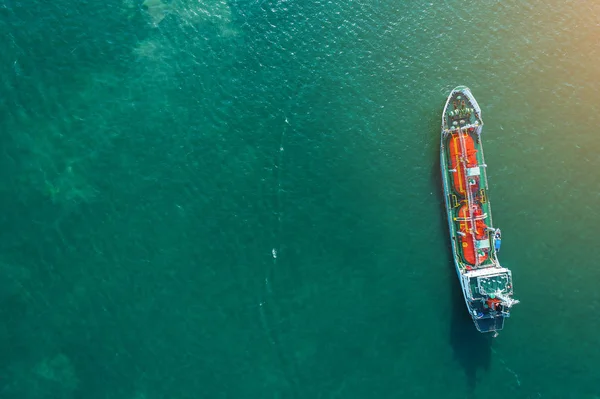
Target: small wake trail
x,y
267,306
511,371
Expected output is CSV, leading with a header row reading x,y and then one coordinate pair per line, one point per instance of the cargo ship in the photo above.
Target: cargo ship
x,y
487,286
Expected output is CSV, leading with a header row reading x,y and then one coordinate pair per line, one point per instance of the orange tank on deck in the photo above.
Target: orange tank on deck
x,y
462,148
466,227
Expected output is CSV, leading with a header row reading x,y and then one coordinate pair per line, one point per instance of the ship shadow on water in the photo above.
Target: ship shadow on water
x,y
472,349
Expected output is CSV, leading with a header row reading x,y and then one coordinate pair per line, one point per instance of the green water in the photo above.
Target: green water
x,y
242,199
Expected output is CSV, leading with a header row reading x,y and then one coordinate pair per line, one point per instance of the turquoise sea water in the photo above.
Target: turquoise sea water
x,y
211,199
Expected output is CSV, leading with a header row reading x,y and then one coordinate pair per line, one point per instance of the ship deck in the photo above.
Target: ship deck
x,y
465,184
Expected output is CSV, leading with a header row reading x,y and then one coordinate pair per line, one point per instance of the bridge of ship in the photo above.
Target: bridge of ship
x,y
488,283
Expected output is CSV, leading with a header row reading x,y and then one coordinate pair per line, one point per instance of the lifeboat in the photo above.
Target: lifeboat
x,y
472,232
463,156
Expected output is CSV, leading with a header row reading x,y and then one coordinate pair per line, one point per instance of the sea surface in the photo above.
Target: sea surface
x,y
242,199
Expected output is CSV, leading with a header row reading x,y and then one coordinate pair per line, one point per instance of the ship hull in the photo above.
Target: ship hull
x,y
472,235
